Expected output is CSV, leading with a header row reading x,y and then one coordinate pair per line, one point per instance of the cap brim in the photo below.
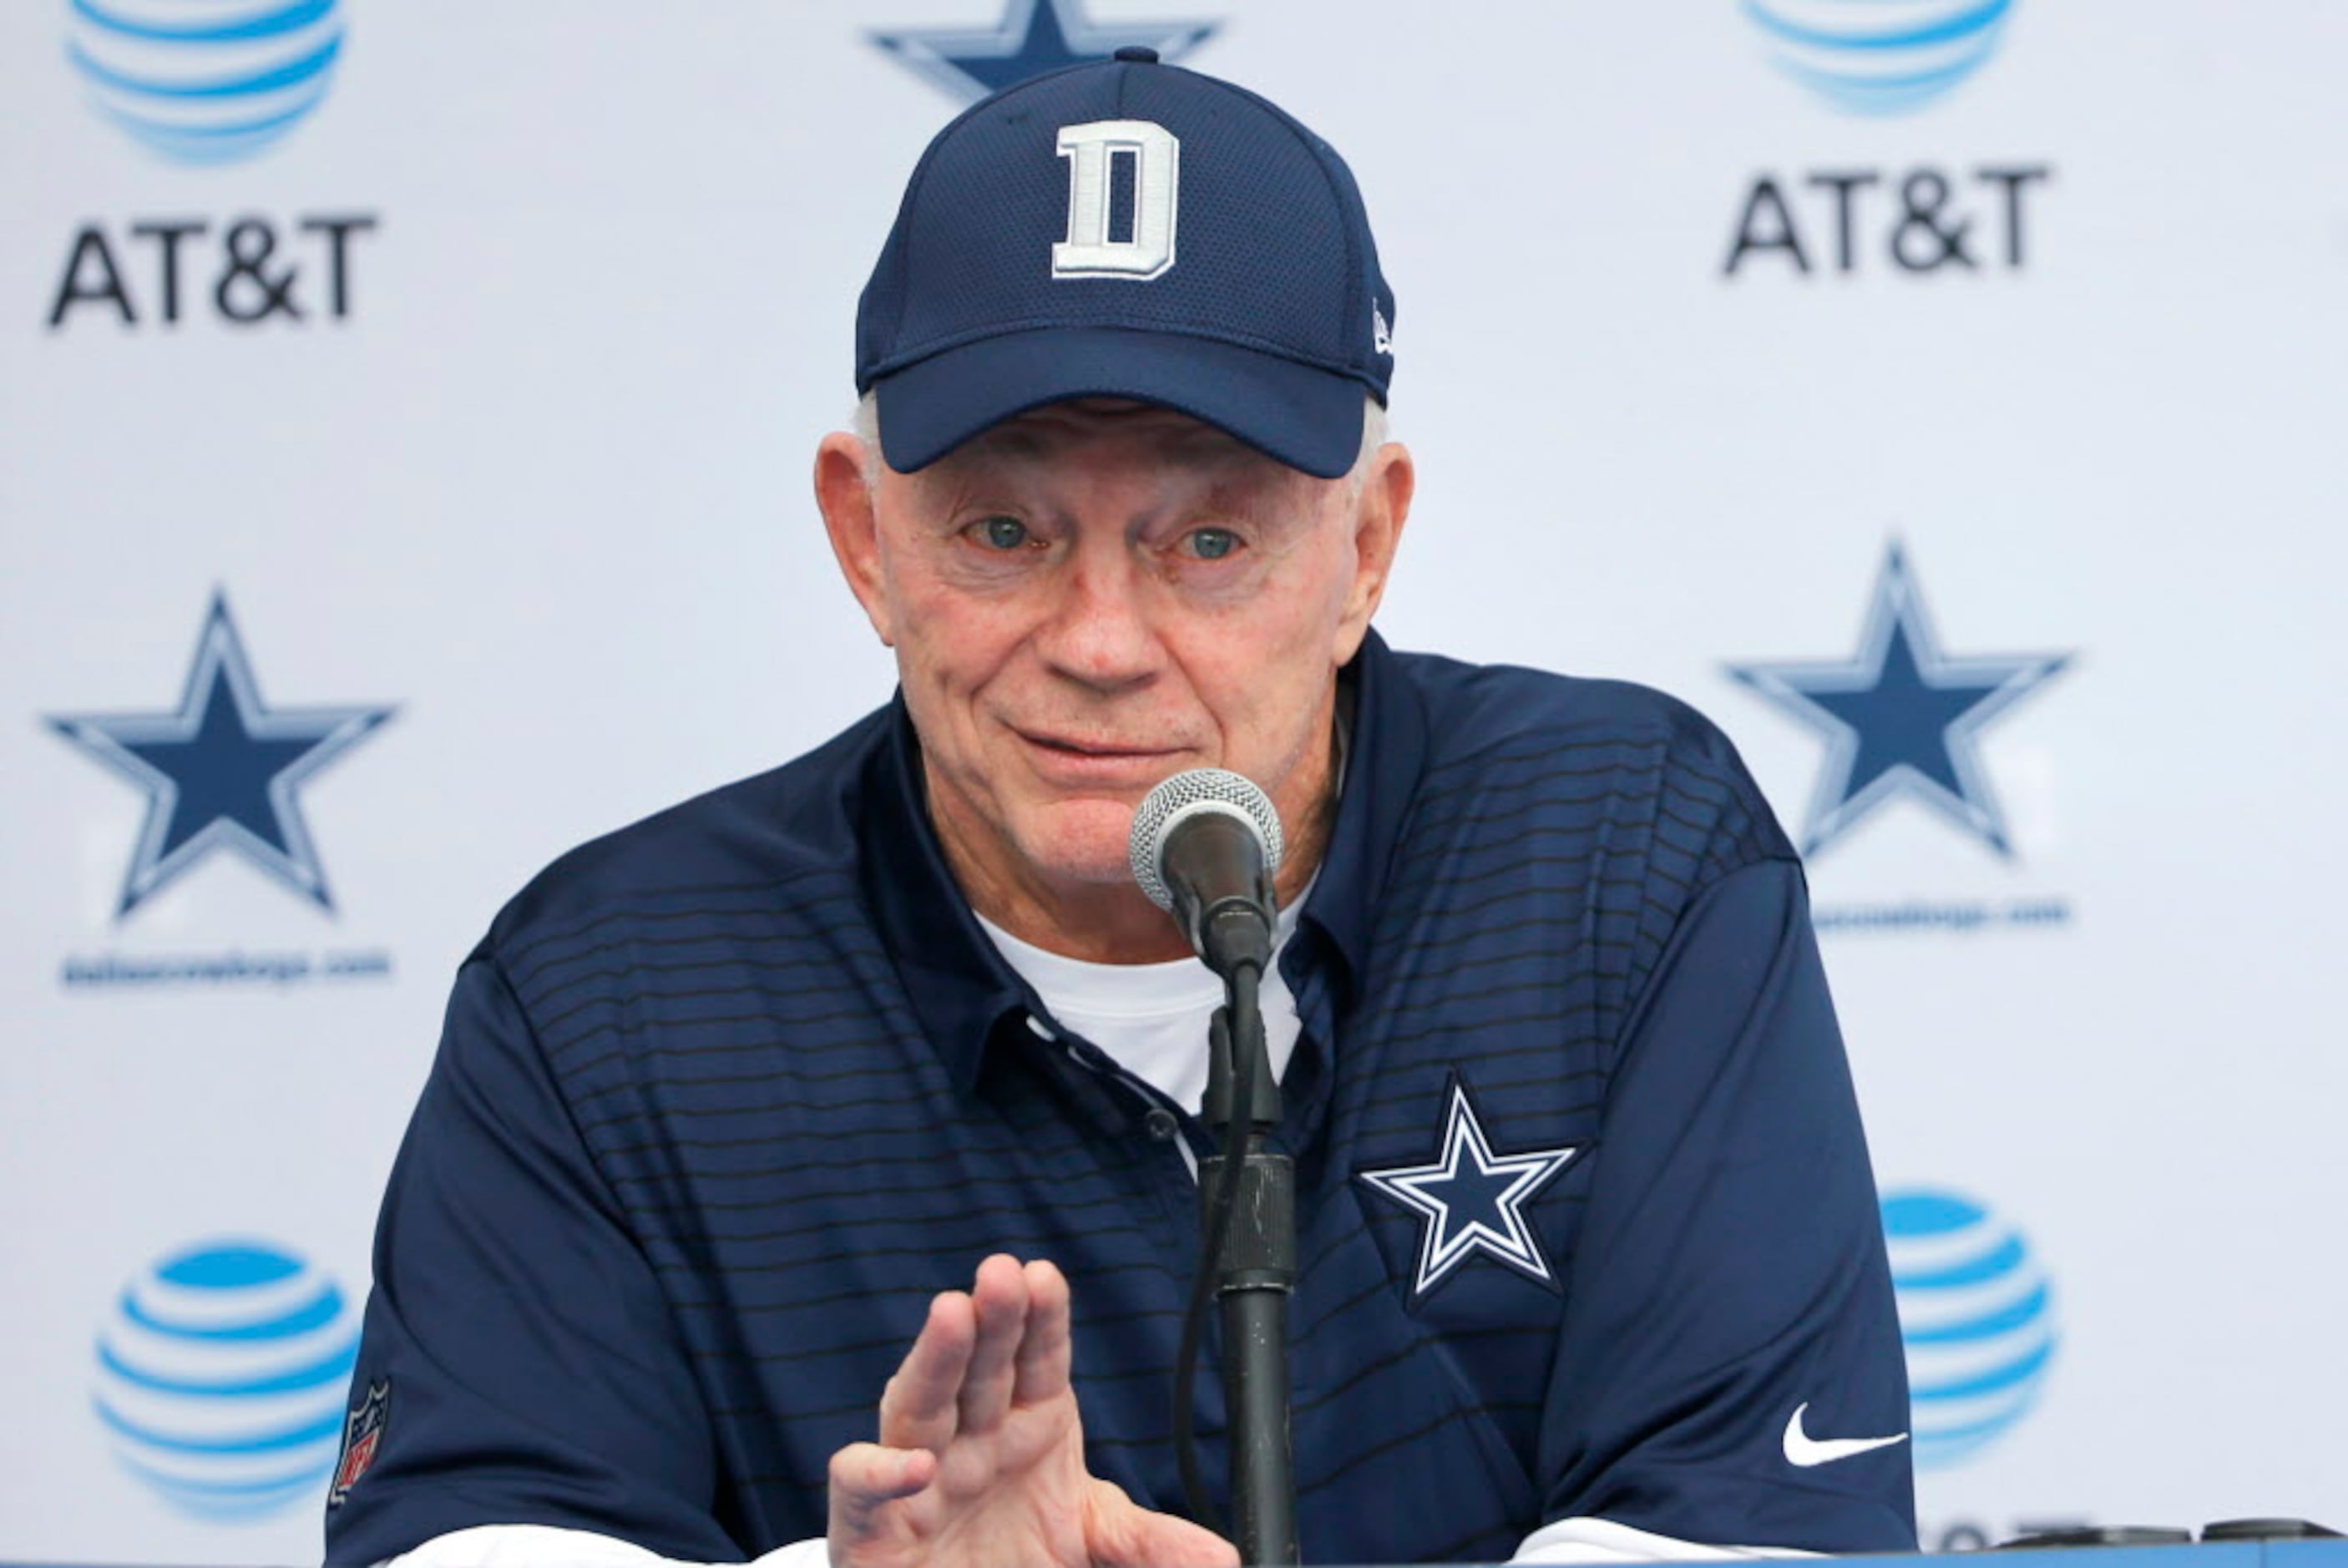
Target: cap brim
x,y
1307,417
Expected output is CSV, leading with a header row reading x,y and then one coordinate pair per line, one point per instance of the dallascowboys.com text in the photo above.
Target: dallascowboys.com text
x,y
1942,914
123,971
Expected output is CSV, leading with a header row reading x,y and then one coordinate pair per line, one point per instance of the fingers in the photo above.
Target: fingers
x,y
1041,1366
865,1476
999,1297
1121,1534
919,1407
964,1367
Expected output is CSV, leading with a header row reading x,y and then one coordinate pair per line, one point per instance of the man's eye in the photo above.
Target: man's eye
x,y
1212,543
1001,533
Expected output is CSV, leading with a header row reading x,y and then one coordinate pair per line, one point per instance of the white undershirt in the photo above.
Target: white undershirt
x,y
1152,1019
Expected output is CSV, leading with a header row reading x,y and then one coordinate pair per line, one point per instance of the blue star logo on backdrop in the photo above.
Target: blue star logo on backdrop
x,y
1033,36
222,772
1471,1201
1902,719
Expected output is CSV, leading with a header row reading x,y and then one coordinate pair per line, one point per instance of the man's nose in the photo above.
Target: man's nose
x,y
1100,631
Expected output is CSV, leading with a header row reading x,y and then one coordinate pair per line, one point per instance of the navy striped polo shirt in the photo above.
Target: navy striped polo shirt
x,y
1585,1219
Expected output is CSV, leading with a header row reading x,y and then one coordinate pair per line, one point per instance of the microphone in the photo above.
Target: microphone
x,y
1205,846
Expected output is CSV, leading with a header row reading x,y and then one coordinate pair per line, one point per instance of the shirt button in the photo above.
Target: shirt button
x,y
1160,1124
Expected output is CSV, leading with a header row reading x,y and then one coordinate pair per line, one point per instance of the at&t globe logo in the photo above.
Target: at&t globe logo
x,y
221,1379
205,81
1879,57
1977,1314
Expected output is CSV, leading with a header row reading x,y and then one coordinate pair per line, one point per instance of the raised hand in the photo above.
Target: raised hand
x,y
980,1462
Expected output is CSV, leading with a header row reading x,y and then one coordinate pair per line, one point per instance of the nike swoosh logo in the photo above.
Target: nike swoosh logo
x,y
1804,1451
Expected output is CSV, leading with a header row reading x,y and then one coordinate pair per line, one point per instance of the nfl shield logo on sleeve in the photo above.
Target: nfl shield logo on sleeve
x,y
361,1434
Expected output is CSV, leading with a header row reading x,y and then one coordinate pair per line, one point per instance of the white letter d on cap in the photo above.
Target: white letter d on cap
x,y
1089,251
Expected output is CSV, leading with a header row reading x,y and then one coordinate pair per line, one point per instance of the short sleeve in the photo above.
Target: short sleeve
x,y
1730,1369
519,1365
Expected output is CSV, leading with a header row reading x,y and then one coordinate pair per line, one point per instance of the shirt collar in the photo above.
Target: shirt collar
x,y
958,983
1386,754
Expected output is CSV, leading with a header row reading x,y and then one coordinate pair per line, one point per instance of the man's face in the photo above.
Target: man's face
x,y
1093,596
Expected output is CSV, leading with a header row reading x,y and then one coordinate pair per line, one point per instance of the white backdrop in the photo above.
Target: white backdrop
x,y
513,540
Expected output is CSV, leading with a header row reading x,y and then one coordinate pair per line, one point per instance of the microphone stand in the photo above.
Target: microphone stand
x,y
1254,1271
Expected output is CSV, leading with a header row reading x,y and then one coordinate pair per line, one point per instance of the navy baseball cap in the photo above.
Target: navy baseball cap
x,y
1129,229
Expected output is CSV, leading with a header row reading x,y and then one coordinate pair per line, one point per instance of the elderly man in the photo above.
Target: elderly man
x,y
746,1116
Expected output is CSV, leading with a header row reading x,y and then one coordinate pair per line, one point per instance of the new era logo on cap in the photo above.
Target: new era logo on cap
x,y
1129,229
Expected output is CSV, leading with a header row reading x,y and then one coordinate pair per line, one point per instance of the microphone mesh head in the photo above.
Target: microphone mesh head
x,y
1196,790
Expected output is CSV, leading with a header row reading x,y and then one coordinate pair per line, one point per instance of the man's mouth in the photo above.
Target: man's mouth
x,y
1111,749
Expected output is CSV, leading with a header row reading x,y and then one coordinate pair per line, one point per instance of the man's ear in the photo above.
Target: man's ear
x,y
1379,513
847,496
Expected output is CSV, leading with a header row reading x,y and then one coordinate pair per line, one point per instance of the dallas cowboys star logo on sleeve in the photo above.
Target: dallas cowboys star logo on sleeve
x,y
1471,1200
